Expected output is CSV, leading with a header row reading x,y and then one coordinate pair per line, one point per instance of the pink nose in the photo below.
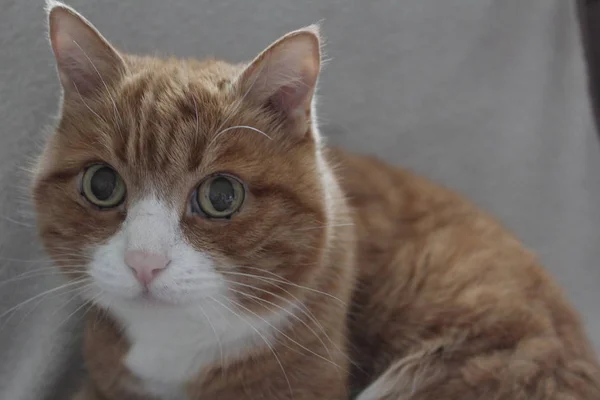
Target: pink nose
x,y
146,266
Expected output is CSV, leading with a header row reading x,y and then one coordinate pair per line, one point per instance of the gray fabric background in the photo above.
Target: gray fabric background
x,y
486,96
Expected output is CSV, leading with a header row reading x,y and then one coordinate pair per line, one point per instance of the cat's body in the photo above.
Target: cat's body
x,y
230,255
465,312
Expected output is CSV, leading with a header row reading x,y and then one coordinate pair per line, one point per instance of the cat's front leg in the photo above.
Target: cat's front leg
x,y
436,372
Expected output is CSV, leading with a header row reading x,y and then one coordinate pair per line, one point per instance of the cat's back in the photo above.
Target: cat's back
x,y
395,209
433,268
404,223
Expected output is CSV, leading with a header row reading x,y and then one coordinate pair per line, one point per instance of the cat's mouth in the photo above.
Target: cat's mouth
x,y
158,297
148,298
136,295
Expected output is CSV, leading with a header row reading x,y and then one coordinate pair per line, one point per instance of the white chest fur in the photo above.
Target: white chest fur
x,y
170,346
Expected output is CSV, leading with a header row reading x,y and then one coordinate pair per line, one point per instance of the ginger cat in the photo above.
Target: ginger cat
x,y
229,254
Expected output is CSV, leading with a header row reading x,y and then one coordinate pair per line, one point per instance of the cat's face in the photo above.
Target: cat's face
x,y
169,182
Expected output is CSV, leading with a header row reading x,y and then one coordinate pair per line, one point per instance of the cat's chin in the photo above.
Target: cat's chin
x,y
146,299
149,299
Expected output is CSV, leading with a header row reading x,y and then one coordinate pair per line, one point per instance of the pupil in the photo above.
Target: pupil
x,y
103,183
221,194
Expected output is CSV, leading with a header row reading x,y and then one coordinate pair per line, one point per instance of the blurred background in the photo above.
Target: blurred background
x,y
488,97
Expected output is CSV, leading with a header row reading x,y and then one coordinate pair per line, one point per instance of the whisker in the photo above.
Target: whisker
x,y
77,291
238,104
263,338
283,334
281,279
239,127
45,293
14,221
288,312
103,315
23,260
322,227
302,307
41,266
216,337
88,303
32,309
36,304
90,306
118,118
300,304
35,274
85,103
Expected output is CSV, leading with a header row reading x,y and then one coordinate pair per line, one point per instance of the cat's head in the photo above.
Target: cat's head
x,y
172,181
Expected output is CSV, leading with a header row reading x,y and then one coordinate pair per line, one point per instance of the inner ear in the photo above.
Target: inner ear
x,y
289,100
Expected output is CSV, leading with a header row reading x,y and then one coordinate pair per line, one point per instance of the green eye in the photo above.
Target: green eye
x,y
219,196
102,186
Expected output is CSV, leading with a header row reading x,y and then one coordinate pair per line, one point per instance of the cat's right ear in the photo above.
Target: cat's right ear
x,y
86,62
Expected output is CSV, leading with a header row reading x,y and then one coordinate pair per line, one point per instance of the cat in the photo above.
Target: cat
x,y
227,253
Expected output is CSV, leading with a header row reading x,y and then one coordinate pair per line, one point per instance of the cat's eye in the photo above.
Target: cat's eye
x,y
219,196
102,186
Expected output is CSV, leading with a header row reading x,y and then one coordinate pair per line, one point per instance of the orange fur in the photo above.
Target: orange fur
x,y
408,290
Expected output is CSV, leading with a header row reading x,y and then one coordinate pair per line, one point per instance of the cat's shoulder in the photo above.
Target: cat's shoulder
x,y
368,179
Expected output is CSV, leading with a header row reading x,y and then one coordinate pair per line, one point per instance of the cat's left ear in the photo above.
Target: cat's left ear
x,y
284,77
